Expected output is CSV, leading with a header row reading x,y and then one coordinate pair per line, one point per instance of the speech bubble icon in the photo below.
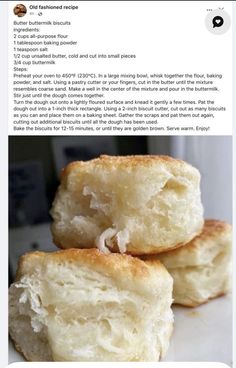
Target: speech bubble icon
x,y
217,21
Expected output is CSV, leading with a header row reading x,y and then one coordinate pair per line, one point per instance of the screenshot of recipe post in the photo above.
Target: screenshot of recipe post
x,y
112,68
118,182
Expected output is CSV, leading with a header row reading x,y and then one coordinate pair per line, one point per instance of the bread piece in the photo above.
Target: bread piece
x,y
83,305
201,269
131,204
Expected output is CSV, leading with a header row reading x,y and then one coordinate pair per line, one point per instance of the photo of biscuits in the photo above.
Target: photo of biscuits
x,y
201,270
115,253
83,305
132,204
20,10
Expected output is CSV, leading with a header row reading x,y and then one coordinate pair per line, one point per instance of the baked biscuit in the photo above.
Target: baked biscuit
x,y
130,204
201,269
83,305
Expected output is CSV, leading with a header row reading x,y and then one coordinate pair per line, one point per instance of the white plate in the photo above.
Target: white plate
x,y
200,334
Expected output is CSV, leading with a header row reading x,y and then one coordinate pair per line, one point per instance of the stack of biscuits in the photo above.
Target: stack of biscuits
x,y
133,241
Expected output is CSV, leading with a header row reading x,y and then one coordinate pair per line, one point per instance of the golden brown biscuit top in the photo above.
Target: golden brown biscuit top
x,y
213,228
124,269
214,239
130,162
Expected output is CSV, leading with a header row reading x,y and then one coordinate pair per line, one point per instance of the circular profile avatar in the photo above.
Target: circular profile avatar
x,y
20,10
